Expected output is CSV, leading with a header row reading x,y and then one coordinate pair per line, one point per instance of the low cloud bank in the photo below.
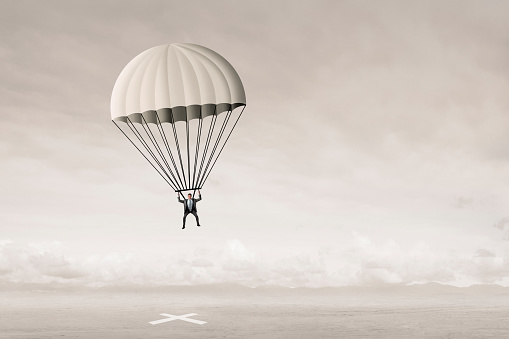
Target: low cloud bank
x,y
362,262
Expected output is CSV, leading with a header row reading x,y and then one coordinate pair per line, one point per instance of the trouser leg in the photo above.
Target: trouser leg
x,y
185,216
197,218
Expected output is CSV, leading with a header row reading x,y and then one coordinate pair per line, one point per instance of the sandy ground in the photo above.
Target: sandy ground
x,y
45,314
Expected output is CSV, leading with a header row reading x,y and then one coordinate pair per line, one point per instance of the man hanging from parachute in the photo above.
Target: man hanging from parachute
x,y
190,207
186,91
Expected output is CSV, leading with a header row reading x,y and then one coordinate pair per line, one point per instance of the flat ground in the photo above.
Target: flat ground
x,y
248,314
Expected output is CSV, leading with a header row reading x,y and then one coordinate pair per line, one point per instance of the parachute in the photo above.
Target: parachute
x,y
178,105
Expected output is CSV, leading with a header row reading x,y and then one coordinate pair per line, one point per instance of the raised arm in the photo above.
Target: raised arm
x,y
199,194
178,197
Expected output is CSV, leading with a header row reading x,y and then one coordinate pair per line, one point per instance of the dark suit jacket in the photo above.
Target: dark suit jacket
x,y
186,209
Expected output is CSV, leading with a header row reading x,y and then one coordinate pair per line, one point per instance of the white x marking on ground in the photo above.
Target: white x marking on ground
x,y
177,317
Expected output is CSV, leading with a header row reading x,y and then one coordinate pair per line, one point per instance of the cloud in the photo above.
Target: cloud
x,y
482,253
464,202
201,263
30,264
363,262
501,223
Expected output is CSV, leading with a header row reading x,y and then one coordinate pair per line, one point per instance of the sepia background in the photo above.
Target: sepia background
x,y
374,148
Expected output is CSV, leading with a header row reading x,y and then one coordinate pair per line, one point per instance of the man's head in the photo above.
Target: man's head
x,y
189,196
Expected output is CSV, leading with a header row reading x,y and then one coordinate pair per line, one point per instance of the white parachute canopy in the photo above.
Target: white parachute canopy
x,y
169,100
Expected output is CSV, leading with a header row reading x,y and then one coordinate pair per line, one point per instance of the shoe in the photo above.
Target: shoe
x,y
198,225
183,227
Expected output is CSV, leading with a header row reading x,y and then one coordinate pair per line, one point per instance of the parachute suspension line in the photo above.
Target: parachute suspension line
x,y
198,136
220,135
228,137
180,192
157,147
150,162
168,149
207,142
178,147
147,147
188,163
197,150
138,135
141,140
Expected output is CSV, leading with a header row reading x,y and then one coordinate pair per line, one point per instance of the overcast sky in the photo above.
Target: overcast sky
x,y
374,147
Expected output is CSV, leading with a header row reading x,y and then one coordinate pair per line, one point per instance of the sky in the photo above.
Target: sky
x,y
374,147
